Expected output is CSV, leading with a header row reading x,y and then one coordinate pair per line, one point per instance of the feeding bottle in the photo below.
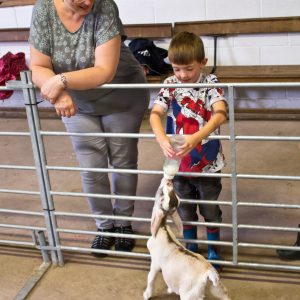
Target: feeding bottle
x,y
171,165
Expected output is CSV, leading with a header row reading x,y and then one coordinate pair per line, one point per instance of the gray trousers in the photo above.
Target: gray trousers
x,y
100,152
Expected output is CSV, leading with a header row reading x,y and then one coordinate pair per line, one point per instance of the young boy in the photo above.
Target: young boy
x,y
195,113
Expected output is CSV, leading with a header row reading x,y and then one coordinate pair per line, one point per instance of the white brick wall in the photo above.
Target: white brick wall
x,y
23,16
179,10
232,9
279,8
8,18
264,49
136,11
294,39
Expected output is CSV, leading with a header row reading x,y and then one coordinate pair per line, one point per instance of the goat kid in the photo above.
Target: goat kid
x,y
186,273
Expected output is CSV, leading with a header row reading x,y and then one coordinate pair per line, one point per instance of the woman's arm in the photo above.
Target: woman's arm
x,y
106,62
41,67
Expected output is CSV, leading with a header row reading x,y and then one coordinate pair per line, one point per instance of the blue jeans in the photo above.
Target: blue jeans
x,y
206,188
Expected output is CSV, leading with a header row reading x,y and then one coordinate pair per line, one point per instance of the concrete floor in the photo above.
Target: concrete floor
x,y
86,277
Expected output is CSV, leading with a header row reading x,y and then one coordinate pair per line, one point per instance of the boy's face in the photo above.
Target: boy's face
x,y
188,73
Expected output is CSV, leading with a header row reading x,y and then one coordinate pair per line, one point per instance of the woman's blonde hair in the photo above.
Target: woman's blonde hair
x,y
186,47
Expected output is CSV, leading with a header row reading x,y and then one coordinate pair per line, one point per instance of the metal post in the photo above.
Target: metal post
x,y
233,176
42,243
40,163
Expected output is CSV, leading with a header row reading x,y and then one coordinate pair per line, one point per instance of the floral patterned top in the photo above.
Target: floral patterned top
x,y
71,51
188,110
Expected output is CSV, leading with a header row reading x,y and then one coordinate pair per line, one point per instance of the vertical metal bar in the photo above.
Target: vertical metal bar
x,y
56,236
42,243
215,55
45,173
233,175
40,161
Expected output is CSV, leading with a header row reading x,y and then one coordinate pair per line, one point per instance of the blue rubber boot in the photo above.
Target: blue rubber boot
x,y
190,232
213,253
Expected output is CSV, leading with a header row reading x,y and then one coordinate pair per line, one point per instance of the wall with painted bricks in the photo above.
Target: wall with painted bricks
x,y
262,49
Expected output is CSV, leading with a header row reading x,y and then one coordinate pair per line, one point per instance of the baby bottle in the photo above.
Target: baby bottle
x,y
171,165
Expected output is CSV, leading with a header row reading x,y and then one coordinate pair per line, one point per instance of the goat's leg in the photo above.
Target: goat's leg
x,y
191,297
154,269
196,293
219,291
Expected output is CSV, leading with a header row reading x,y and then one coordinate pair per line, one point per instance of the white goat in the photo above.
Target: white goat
x,y
185,273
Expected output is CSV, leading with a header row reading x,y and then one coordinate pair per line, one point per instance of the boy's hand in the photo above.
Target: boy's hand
x,y
165,145
191,142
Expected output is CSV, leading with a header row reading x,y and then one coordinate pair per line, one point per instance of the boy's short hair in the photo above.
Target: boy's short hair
x,y
186,47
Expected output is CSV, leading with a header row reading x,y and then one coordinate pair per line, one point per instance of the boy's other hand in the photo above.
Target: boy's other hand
x,y
190,143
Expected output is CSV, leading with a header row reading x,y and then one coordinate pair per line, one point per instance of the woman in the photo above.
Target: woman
x,y
75,46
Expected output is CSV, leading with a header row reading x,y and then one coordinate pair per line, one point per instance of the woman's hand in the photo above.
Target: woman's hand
x,y
65,106
52,88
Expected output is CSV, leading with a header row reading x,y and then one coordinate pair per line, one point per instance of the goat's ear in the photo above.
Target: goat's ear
x,y
157,216
177,221
159,192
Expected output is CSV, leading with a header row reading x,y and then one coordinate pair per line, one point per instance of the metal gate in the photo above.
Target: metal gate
x,y
47,237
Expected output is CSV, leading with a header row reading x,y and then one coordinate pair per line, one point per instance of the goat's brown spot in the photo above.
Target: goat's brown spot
x,y
173,200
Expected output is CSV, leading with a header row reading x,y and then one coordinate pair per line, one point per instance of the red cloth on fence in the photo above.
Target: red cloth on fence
x,y
10,67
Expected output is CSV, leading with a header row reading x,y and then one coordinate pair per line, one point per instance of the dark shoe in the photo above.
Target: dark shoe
x,y
102,242
190,233
124,244
291,254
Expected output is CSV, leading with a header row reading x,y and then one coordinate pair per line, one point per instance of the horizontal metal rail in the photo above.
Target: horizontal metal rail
x,y
110,252
135,198
14,84
124,135
269,205
192,174
15,167
14,133
9,191
21,212
152,136
262,227
280,267
32,228
267,246
221,262
131,171
269,177
17,243
138,236
109,217
267,138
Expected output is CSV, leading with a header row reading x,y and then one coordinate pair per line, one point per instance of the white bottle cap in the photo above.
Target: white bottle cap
x,y
167,176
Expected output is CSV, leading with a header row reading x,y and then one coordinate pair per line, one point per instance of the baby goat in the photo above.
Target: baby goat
x,y
185,273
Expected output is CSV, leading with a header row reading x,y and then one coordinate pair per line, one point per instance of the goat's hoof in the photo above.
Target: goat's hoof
x,y
147,295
